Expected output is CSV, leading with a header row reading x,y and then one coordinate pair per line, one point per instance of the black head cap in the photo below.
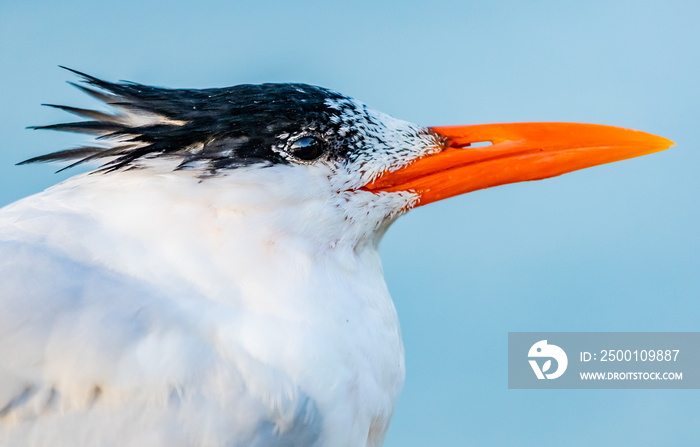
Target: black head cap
x,y
214,129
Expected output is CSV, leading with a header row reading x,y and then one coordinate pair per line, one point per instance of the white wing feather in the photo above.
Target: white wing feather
x,y
92,356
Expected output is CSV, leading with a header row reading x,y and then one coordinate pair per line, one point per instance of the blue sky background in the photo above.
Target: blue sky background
x,y
613,248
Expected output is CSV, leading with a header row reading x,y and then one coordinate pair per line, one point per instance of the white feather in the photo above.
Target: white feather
x,y
149,307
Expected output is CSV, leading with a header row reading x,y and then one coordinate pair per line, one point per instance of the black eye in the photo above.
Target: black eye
x,y
307,149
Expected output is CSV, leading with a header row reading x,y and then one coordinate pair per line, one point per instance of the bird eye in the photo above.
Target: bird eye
x,y
307,149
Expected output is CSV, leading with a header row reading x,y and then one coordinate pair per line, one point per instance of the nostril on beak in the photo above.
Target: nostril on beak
x,y
479,144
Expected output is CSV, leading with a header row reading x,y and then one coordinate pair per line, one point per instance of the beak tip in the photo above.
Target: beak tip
x,y
663,143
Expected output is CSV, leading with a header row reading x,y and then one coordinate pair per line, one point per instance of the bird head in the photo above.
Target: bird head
x,y
347,166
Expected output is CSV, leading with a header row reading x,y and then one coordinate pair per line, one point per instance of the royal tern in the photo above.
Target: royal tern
x,y
216,280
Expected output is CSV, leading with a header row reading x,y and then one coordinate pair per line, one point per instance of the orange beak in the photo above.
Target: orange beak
x,y
519,152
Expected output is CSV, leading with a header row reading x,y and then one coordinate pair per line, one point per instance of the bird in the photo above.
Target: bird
x,y
215,278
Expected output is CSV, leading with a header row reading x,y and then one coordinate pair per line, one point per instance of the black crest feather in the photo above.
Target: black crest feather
x,y
222,127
